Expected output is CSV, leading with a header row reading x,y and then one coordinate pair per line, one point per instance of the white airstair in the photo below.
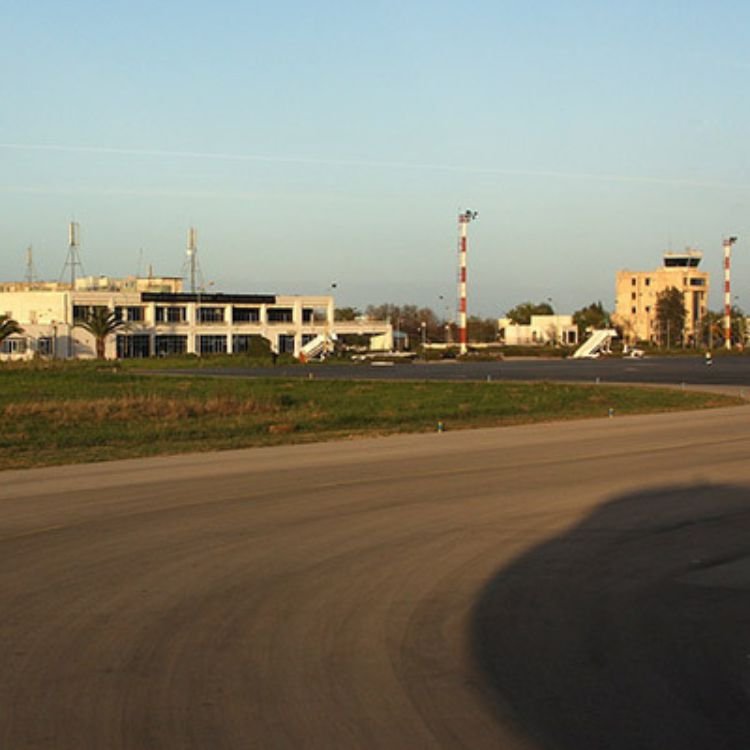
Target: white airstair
x,y
598,343
317,347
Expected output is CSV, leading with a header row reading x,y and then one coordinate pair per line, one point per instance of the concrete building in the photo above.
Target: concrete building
x,y
543,329
162,320
637,293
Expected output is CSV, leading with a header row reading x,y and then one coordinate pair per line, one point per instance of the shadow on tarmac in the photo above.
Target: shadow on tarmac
x,y
631,630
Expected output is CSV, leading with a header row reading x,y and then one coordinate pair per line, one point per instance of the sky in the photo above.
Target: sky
x,y
321,143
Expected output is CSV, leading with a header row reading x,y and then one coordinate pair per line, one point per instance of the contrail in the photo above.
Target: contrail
x,y
125,191
368,164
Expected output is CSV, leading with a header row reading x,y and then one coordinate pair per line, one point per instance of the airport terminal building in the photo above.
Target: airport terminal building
x,y
161,319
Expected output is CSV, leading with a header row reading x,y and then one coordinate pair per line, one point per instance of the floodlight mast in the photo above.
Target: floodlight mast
x,y
463,225
728,242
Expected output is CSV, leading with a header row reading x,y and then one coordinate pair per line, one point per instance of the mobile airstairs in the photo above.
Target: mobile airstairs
x,y
598,343
317,347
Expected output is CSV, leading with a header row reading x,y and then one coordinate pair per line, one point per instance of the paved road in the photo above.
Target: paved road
x,y
665,370
576,586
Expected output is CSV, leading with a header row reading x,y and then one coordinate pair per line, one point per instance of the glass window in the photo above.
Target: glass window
x,y
166,345
245,314
280,315
80,312
14,346
286,344
171,314
210,314
211,344
137,346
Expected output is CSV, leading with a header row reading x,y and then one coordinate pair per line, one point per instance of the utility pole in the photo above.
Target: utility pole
x,y
728,242
463,225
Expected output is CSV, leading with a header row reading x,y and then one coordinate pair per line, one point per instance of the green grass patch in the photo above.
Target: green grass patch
x,y
69,414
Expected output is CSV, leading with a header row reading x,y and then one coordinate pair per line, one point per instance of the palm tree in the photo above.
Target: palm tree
x,y
101,322
8,327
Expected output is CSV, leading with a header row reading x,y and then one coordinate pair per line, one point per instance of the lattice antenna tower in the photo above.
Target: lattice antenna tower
x,y
73,266
192,269
31,275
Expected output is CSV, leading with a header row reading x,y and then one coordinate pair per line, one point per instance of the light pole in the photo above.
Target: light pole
x,y
446,322
330,320
463,224
728,242
554,322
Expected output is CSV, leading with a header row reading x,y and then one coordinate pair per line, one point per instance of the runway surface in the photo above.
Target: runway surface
x,y
576,586
690,370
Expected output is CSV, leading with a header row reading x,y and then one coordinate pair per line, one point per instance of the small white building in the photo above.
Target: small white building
x,y
543,329
163,320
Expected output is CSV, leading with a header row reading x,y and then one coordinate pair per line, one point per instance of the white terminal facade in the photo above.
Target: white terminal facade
x,y
542,329
162,320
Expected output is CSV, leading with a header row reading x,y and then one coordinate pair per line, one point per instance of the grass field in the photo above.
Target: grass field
x,y
96,412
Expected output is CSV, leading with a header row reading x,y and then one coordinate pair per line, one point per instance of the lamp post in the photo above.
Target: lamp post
x,y
463,224
446,323
330,319
728,242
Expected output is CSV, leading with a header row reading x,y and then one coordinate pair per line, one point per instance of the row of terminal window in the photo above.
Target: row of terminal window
x,y
688,282
178,314
21,344
139,345
239,315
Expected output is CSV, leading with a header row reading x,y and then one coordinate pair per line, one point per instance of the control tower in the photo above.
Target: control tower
x,y
637,293
689,258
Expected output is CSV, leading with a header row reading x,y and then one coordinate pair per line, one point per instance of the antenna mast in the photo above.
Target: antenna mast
x,y
73,261
192,268
31,276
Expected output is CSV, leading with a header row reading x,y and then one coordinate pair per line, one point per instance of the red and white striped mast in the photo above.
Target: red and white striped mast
x,y
728,242
463,225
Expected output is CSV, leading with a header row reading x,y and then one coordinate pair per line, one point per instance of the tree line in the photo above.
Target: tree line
x,y
424,324
669,328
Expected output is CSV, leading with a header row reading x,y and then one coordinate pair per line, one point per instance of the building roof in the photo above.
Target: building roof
x,y
218,298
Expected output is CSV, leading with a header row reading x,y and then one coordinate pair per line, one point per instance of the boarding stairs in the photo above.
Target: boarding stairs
x,y
598,343
317,347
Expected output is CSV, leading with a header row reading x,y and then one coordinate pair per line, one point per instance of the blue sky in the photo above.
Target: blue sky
x,y
322,142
